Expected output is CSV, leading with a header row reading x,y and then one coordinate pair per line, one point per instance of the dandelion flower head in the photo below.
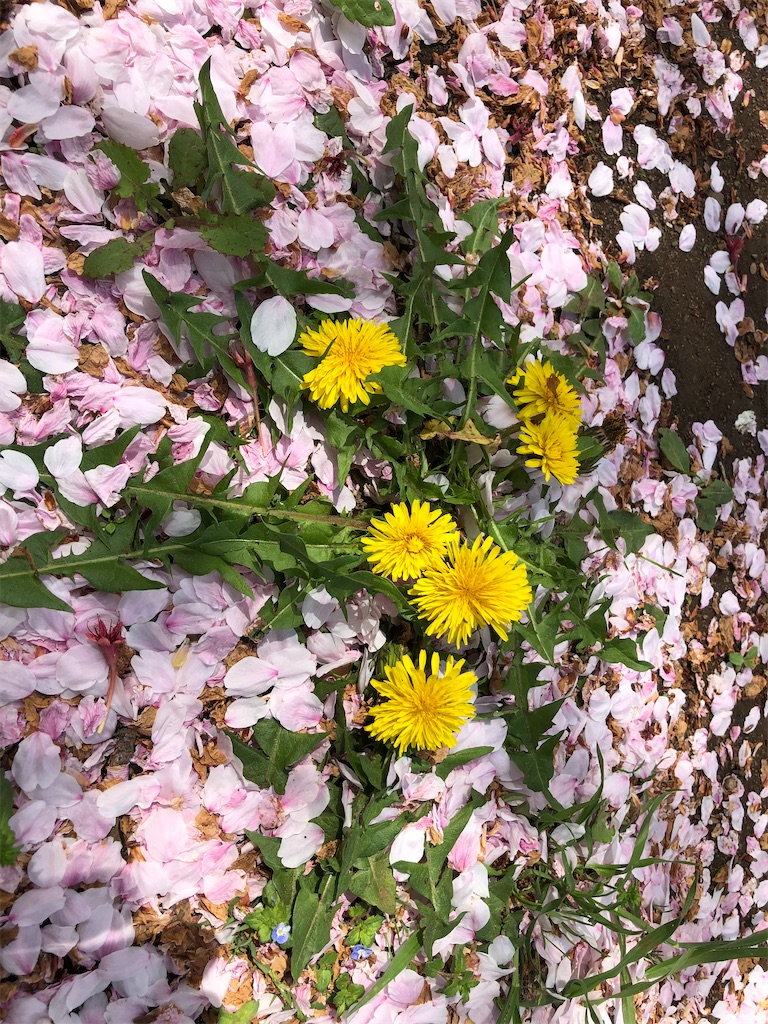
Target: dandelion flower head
x,y
422,708
406,542
542,390
552,446
477,585
349,352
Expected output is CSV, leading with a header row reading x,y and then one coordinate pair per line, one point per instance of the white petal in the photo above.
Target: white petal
x,y
24,270
131,129
624,239
687,238
81,667
734,218
18,471
12,379
700,32
273,326
720,261
408,846
712,280
601,180
296,850
756,211
636,222
52,355
245,712
16,682
712,212
644,196
63,458
68,123
181,522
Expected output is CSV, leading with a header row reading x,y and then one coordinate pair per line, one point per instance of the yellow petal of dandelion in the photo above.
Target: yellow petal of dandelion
x,y
476,586
542,390
422,708
552,445
406,542
349,352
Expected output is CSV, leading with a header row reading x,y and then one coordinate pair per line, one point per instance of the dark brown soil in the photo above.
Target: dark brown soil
x,y
709,379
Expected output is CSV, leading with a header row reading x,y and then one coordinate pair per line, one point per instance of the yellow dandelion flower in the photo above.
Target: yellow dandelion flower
x,y
420,710
552,445
544,390
477,585
349,352
405,543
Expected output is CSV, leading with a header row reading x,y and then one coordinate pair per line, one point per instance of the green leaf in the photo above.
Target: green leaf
x,y
375,883
116,256
623,652
489,367
615,276
105,563
134,174
268,846
491,276
102,564
374,838
311,924
187,158
706,515
405,391
459,759
402,959
542,633
433,879
528,728
256,767
289,283
236,234
332,124
243,1015
12,316
483,215
9,851
241,190
367,12
626,525
538,765
674,449
636,323
709,500
200,329
396,131
590,299
20,585
717,491
111,453
364,931
282,747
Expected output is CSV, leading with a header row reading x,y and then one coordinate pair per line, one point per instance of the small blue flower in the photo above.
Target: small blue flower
x,y
360,952
281,933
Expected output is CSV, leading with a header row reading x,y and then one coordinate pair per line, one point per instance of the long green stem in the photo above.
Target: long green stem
x,y
203,500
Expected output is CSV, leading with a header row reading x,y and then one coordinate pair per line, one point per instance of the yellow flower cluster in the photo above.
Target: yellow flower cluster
x,y
550,414
458,588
